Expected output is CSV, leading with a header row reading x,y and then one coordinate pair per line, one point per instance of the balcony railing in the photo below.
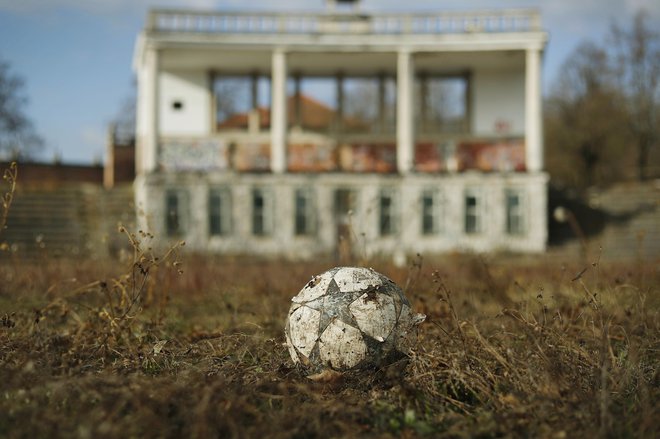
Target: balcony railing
x,y
510,20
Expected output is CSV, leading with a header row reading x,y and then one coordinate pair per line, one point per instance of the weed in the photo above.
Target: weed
x,y
155,353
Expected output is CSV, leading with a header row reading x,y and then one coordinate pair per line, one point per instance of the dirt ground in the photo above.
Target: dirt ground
x,y
191,346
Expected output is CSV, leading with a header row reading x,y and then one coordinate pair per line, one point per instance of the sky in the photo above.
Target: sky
x,y
75,55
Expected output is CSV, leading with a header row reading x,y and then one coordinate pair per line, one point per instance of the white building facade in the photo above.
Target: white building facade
x,y
423,135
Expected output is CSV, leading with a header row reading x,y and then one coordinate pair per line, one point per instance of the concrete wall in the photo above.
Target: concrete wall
x,y
498,102
150,196
185,103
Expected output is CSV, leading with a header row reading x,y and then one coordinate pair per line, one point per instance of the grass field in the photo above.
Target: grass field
x,y
187,346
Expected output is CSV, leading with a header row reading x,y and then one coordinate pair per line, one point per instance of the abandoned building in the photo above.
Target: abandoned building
x,y
298,133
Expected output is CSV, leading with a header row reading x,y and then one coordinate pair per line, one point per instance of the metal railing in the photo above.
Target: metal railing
x,y
510,20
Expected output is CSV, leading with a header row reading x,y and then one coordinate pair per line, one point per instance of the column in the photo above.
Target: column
x,y
339,115
254,121
297,101
424,104
533,139
278,116
148,151
381,103
404,112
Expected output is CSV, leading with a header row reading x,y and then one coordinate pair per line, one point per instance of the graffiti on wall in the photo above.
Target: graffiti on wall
x,y
194,155
482,155
367,157
310,157
498,155
250,156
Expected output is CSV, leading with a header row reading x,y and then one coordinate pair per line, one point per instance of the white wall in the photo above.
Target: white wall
x,y
498,96
490,187
191,89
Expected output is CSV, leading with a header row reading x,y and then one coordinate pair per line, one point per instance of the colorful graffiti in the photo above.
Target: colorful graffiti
x,y
193,155
486,155
378,157
250,157
367,157
310,157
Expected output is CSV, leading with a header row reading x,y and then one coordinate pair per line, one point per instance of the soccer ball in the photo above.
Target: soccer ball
x,y
349,318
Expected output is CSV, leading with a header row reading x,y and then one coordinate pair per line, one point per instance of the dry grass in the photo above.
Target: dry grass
x,y
511,347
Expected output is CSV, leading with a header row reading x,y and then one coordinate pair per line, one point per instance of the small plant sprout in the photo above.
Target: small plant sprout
x,y
10,175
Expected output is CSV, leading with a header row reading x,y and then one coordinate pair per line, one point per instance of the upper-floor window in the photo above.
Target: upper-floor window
x,y
262,212
432,212
389,220
442,103
515,212
305,218
219,209
236,96
473,212
176,212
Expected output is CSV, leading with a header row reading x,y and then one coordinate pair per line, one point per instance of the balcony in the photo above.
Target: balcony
x,y
185,21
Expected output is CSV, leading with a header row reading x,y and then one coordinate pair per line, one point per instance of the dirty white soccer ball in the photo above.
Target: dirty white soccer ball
x,y
349,318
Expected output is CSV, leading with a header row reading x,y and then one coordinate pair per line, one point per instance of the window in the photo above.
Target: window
x,y
432,212
515,215
442,103
261,212
388,214
473,220
219,209
176,210
236,96
304,212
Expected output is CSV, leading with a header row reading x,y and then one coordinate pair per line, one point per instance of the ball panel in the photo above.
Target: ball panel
x,y
375,314
336,306
304,329
314,289
351,279
341,346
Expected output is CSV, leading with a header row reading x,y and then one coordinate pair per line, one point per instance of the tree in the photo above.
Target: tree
x,y
637,55
585,121
18,138
123,124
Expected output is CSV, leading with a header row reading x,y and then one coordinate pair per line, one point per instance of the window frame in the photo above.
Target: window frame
x,y
476,212
519,212
306,227
436,214
179,226
391,227
266,212
225,222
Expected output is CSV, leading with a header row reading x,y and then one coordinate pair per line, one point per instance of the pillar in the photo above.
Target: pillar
x,y
278,116
533,133
404,112
381,102
339,115
148,151
297,101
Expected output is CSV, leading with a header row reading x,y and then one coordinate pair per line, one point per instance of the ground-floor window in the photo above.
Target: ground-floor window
x,y
262,212
305,218
176,211
432,212
389,220
515,212
473,212
219,209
